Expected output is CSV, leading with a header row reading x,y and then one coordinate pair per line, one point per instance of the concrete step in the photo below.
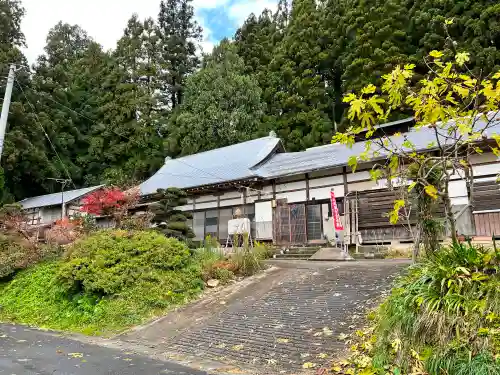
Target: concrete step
x,y
292,256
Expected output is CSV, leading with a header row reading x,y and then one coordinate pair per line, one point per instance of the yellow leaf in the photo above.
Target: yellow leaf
x,y
336,369
75,355
460,90
436,54
282,340
349,98
238,347
448,21
309,365
496,75
431,191
462,57
322,356
370,89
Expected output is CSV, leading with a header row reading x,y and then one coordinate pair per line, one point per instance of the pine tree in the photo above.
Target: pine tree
x,y
222,105
304,105
178,33
171,221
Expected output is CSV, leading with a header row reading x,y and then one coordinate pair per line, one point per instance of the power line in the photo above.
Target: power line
x,y
178,160
45,133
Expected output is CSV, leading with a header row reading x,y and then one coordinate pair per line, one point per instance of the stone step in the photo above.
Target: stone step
x,y
293,256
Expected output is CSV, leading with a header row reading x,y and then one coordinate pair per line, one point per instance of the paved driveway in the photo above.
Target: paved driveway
x,y
24,351
289,316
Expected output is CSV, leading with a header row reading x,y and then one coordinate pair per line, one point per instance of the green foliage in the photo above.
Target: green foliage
x,y
36,297
108,262
171,221
16,253
222,105
442,317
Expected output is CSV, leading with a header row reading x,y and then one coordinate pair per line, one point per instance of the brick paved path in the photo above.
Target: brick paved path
x,y
297,319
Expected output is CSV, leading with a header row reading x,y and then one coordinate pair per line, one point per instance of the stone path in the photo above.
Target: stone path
x,y
291,316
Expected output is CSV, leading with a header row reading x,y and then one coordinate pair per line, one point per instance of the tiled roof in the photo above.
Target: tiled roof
x,y
211,167
56,198
257,159
336,155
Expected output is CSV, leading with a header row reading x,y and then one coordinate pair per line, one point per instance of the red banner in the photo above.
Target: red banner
x,y
335,213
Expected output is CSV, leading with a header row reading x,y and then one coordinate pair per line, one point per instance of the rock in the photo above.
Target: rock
x,y
212,283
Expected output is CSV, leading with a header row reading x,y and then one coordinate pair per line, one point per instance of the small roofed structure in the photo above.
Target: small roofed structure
x,y
46,209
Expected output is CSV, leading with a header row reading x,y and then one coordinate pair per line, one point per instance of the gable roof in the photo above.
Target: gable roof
x,y
56,198
221,165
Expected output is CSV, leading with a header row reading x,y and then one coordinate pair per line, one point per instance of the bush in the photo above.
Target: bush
x,y
17,253
224,275
442,317
247,261
36,297
109,261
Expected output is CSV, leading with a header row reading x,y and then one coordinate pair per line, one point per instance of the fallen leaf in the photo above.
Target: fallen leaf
x,y
127,359
317,334
238,347
343,336
220,346
282,340
322,355
309,365
304,355
75,355
327,331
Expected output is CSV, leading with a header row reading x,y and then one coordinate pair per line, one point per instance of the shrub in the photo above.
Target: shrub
x,y
36,297
247,262
442,317
109,261
17,253
224,275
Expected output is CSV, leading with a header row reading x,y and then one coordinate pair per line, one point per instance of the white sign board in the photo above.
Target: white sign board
x,y
238,226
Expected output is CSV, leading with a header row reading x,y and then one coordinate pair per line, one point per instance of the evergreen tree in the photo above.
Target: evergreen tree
x,y
171,221
25,163
304,106
222,105
178,33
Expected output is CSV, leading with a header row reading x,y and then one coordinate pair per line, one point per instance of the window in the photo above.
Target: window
x,y
224,216
211,221
314,220
199,225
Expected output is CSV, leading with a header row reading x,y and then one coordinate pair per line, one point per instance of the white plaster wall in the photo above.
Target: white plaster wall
x,y
228,203
489,169
324,193
293,197
205,198
358,176
291,186
332,180
204,206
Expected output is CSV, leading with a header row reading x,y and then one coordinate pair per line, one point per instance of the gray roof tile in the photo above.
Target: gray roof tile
x,y
211,167
336,155
56,198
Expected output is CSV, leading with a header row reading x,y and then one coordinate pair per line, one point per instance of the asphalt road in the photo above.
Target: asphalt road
x,y
24,351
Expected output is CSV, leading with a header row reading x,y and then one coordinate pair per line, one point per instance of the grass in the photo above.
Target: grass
x,y
35,297
112,280
441,318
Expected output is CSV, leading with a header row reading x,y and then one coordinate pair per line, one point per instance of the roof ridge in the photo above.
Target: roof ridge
x,y
222,148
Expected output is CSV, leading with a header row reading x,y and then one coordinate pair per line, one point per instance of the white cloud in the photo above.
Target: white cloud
x,y
240,10
104,20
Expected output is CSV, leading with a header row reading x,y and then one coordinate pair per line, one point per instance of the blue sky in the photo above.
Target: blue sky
x,y
221,18
104,20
